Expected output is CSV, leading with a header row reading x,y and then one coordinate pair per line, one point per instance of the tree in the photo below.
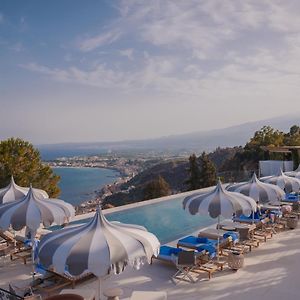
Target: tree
x,y
253,152
193,181
20,159
292,138
266,136
156,188
207,171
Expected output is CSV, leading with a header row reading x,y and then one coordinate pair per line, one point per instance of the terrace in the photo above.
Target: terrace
x,y
270,272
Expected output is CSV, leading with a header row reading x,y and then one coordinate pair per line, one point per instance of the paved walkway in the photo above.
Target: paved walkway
x,y
271,271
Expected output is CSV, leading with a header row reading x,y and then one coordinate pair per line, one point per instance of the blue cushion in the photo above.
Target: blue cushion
x,y
167,250
209,248
232,234
194,240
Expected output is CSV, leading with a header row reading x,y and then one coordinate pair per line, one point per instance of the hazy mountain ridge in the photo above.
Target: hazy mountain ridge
x,y
196,141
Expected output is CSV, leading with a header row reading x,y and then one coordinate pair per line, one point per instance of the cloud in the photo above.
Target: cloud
x,y
92,43
99,76
127,53
56,73
192,47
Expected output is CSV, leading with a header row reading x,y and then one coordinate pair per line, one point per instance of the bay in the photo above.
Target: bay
x,y
79,184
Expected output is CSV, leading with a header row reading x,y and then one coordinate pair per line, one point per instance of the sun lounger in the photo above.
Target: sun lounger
x,y
52,280
248,220
23,254
292,197
16,240
5,249
16,246
167,254
18,293
185,264
86,294
214,234
229,240
246,233
171,254
65,297
194,242
7,236
202,244
185,261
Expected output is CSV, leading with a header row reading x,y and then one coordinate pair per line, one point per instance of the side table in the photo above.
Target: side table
x,y
113,293
235,260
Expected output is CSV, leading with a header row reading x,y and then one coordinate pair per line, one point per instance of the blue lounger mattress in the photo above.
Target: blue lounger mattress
x,y
168,253
195,242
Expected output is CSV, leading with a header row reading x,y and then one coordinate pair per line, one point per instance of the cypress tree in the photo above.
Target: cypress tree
x,y
156,188
193,181
208,171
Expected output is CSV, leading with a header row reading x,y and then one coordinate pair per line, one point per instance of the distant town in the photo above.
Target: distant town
x,y
127,165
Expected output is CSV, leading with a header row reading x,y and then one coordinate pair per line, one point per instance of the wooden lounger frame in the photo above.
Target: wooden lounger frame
x,y
60,281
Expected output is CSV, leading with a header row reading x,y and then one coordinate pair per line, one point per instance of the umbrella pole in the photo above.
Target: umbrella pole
x,y
99,288
32,257
15,241
218,247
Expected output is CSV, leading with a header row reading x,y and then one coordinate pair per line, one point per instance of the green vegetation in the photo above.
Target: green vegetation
x,y
20,159
231,164
292,138
202,172
193,181
247,158
156,188
208,175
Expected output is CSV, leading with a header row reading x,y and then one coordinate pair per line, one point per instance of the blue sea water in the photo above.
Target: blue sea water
x,y
79,184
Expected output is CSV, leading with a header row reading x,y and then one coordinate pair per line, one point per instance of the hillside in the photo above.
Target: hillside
x,y
191,142
174,172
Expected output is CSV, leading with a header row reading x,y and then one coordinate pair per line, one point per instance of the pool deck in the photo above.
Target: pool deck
x,y
270,272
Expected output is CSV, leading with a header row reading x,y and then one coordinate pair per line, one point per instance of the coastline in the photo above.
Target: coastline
x,y
86,167
100,193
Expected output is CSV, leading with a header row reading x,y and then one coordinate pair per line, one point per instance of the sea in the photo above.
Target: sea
x,y
80,184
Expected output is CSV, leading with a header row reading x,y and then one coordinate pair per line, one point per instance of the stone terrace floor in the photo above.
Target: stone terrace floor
x,y
271,271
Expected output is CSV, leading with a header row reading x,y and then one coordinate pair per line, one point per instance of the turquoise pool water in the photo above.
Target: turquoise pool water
x,y
167,219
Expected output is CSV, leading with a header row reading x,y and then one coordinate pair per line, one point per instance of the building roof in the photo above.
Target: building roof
x,y
280,149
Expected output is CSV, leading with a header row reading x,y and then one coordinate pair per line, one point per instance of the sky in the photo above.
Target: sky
x,y
83,71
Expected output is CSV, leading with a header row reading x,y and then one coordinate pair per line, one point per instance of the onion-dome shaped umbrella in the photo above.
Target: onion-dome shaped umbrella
x,y
14,192
261,192
295,173
31,211
218,203
99,247
288,184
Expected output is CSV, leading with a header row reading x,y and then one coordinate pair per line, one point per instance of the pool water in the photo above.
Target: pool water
x,y
166,219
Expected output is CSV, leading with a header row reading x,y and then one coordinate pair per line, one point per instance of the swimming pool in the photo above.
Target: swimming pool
x,y
166,219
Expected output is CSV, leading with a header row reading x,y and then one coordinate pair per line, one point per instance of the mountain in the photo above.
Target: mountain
x,y
190,142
